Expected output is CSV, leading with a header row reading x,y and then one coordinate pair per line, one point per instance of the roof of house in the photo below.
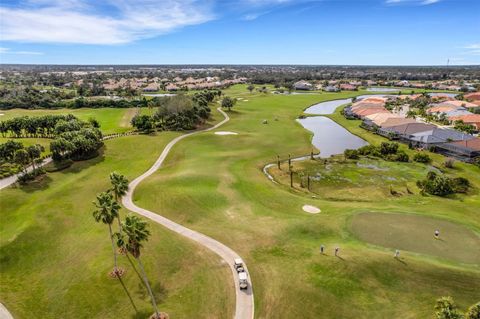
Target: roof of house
x,y
364,105
442,108
374,99
472,96
473,144
379,118
396,121
369,111
454,113
411,128
468,119
438,135
460,103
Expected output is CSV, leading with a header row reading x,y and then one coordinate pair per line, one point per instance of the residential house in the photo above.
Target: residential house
x,y
471,119
302,85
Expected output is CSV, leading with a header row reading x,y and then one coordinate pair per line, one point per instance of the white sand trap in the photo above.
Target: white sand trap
x,y
1,114
245,100
311,209
225,133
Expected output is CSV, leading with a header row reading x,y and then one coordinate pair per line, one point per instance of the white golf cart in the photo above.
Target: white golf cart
x,y
242,280
238,265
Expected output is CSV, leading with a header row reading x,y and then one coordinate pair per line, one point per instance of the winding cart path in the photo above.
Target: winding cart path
x,y
244,308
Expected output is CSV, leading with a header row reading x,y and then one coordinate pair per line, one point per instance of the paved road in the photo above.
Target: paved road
x,y
244,308
4,314
5,182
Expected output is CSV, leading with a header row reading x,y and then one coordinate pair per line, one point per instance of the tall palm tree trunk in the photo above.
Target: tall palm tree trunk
x,y
113,248
154,303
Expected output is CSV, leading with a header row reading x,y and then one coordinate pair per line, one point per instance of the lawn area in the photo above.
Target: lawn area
x,y
416,233
214,184
112,120
54,258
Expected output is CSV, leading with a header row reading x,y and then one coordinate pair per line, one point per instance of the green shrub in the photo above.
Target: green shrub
x,y
351,154
422,158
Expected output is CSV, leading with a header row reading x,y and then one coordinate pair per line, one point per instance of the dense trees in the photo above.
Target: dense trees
x,y
14,158
30,98
180,112
38,126
77,144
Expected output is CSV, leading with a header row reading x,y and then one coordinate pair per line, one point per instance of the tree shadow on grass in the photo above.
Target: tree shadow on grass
x,y
40,183
128,294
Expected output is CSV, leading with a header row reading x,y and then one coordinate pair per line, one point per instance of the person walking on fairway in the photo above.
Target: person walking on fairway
x,y
322,248
336,251
397,253
437,234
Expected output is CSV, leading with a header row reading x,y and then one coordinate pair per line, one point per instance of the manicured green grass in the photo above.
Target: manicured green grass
x,y
54,258
112,120
215,185
416,233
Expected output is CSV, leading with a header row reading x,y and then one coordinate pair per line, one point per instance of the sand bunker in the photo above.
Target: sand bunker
x,y
311,209
225,133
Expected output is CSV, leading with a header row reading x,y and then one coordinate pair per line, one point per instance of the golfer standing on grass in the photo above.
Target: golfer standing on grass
x,y
437,234
336,250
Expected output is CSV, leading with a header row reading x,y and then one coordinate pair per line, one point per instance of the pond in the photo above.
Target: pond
x,y
329,137
375,89
158,94
326,107
443,94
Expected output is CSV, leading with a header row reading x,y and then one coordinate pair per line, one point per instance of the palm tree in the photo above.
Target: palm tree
x,y
119,189
107,211
135,233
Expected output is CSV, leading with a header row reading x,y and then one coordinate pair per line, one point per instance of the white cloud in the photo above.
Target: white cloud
x,y
415,2
79,21
473,49
8,51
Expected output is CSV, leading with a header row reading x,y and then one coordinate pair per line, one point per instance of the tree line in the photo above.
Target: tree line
x,y
73,139
44,126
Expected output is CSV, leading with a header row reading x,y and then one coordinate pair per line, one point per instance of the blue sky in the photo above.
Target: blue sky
x,y
361,32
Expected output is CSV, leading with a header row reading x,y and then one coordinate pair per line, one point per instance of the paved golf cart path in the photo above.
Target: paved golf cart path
x,y
244,308
4,314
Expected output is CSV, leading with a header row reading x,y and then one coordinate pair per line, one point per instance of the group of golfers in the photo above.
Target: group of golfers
x,y
436,235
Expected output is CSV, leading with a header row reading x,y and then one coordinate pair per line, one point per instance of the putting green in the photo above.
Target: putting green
x,y
416,233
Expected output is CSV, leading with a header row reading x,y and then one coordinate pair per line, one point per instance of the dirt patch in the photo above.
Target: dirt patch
x,y
311,209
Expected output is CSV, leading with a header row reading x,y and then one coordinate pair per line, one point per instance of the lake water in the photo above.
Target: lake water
x,y
158,94
373,89
443,94
326,107
329,137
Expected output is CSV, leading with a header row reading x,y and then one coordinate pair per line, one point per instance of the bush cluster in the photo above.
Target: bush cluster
x,y
387,151
441,185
